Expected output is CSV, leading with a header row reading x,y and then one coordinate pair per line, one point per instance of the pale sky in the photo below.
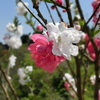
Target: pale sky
x,y
8,12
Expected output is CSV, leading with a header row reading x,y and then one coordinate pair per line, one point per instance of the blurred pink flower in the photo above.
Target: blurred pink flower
x,y
90,47
40,27
94,5
42,53
99,94
67,86
59,1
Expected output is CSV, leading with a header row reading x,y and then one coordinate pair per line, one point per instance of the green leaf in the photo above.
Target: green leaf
x,y
82,23
96,31
49,1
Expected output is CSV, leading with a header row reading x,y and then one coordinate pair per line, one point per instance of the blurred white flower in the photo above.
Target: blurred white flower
x,y
29,68
19,30
70,79
77,26
12,60
63,39
23,74
92,79
11,27
9,77
78,17
21,9
13,41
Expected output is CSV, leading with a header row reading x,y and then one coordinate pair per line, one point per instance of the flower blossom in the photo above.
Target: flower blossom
x,y
63,39
90,47
92,79
41,50
11,27
94,5
19,31
71,81
23,74
40,27
21,10
12,60
13,41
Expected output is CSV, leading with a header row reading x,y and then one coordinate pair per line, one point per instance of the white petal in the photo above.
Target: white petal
x,y
55,50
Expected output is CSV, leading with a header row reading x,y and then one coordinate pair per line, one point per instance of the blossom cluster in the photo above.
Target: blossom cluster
x,y
23,74
12,37
95,3
54,45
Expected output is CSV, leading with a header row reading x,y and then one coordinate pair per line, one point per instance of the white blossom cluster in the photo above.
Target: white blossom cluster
x,y
72,82
92,79
63,39
12,60
12,37
23,74
21,10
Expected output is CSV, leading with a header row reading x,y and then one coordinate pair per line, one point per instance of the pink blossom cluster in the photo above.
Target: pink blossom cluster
x,y
90,47
96,15
57,1
41,50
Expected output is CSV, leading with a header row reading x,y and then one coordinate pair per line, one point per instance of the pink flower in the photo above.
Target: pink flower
x,y
67,85
42,53
40,27
99,94
90,47
94,5
59,1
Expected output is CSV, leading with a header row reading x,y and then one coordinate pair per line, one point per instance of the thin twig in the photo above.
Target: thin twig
x,y
33,14
40,15
67,80
80,10
91,16
59,14
11,87
49,13
69,13
58,4
5,92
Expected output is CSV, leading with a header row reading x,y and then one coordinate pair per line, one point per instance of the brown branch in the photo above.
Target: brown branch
x,y
58,4
50,13
5,92
41,16
67,80
80,10
79,79
33,14
59,14
91,16
11,87
72,71
69,13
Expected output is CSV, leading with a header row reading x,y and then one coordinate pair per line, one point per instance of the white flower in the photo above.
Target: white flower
x,y
13,42
23,74
78,17
11,27
63,38
12,60
19,30
21,9
29,68
70,80
78,27
92,79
